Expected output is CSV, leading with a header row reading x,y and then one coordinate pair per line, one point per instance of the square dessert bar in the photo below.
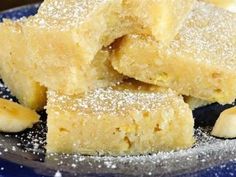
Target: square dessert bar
x,y
123,120
64,37
200,62
28,92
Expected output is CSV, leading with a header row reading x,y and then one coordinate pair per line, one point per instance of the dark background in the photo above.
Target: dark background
x,y
7,4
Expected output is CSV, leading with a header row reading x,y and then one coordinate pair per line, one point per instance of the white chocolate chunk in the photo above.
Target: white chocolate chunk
x,y
225,126
15,118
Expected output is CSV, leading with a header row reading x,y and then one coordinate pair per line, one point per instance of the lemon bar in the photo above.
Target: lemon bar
x,y
64,37
28,92
226,4
200,62
122,120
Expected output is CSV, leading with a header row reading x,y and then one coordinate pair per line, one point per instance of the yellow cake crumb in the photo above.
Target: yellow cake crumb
x,y
200,62
64,37
28,92
195,103
123,120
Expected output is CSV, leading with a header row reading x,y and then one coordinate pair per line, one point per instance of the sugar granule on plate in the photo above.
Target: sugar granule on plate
x,y
58,174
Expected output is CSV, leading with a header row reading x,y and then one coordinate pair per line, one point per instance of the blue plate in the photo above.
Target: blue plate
x,y
23,154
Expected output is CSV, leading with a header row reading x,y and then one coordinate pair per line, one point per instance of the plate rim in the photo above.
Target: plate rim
x,y
19,8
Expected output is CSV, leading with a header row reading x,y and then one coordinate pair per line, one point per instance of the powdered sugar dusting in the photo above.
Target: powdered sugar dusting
x,y
209,36
58,174
207,152
113,101
64,13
